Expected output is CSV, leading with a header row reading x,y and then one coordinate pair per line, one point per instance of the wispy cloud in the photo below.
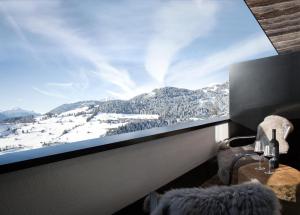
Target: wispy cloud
x,y
74,90
138,90
51,25
63,85
191,71
177,24
124,33
49,93
81,79
18,30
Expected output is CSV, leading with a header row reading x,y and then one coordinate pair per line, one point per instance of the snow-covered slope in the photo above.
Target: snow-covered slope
x,y
93,119
69,126
72,106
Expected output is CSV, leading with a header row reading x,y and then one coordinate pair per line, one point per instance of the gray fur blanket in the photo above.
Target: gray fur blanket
x,y
244,199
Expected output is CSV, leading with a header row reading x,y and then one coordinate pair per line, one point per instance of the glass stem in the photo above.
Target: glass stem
x,y
259,162
269,165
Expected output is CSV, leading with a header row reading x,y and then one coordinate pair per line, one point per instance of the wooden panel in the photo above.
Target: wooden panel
x,y
280,19
258,3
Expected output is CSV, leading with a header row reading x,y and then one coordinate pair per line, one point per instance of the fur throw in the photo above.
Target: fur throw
x,y
244,199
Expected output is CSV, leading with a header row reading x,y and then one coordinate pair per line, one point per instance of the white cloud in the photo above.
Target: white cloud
x,y
177,24
193,71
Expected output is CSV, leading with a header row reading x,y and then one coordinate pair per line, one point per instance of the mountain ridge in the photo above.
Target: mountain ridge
x,y
16,113
142,104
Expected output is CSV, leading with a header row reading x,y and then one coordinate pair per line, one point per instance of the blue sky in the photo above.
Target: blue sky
x,y
54,52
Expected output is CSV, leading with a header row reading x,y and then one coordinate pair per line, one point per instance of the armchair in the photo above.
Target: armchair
x,y
231,150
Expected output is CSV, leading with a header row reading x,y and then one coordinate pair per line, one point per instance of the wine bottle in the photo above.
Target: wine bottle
x,y
275,144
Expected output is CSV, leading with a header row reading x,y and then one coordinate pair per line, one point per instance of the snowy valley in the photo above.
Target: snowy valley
x,y
93,119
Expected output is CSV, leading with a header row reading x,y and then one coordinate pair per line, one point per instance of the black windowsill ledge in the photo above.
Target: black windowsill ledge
x,y
29,158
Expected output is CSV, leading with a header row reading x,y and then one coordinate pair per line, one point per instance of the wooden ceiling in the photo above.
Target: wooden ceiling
x,y
280,19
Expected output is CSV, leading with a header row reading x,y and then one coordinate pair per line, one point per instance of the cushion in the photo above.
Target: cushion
x,y
283,128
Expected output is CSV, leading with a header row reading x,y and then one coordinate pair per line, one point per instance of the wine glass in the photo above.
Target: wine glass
x,y
259,149
269,152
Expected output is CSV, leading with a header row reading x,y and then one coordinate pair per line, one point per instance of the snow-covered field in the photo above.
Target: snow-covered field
x,y
70,126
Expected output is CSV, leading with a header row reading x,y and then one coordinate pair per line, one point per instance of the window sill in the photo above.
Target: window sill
x,y
29,158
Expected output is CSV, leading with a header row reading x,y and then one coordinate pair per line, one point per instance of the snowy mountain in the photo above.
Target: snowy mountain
x,y
168,102
2,116
93,119
16,113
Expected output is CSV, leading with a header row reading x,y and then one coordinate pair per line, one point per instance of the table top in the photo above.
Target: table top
x,y
285,181
284,175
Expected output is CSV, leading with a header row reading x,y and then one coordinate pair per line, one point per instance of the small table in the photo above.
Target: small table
x,y
285,181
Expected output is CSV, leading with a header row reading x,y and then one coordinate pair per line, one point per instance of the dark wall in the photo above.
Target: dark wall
x,y
263,87
296,77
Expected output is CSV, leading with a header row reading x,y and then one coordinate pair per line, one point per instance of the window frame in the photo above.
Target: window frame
x,y
29,158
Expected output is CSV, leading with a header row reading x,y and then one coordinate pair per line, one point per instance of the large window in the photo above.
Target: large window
x,y
79,70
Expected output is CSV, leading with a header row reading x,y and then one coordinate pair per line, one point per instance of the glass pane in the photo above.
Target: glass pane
x,y
79,70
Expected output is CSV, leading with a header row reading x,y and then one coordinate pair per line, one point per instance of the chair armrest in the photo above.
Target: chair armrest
x,y
240,141
235,160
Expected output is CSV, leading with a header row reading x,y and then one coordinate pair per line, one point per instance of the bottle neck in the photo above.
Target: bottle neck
x,y
274,134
